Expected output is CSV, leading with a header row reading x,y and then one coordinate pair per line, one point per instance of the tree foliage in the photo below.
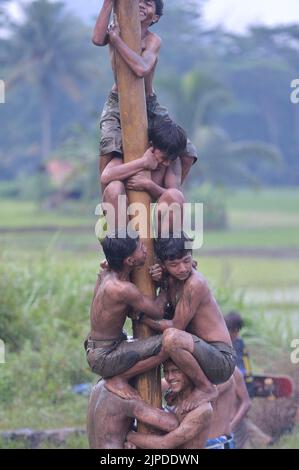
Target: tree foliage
x,y
233,89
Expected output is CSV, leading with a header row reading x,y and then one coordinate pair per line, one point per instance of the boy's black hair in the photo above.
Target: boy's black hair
x,y
234,321
172,248
159,7
168,137
117,247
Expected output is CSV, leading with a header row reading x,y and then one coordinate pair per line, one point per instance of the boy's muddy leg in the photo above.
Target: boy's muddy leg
x,y
110,195
119,384
103,162
180,346
170,212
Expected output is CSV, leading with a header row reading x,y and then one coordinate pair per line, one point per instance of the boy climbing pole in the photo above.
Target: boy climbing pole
x,y
143,66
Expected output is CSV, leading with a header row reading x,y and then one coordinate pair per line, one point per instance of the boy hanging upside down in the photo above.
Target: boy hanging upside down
x,y
143,66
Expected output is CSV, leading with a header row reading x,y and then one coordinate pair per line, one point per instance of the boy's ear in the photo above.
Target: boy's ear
x,y
130,261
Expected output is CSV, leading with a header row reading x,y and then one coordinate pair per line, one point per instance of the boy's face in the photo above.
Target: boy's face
x,y
161,157
179,268
139,256
234,334
175,378
147,9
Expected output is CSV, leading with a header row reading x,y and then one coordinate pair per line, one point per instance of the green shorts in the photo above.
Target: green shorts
x,y
110,126
110,358
217,359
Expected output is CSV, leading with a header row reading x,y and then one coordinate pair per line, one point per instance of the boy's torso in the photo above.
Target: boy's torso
x,y
107,315
207,322
148,79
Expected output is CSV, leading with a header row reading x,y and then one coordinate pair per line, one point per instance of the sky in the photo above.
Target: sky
x,y
236,15
232,15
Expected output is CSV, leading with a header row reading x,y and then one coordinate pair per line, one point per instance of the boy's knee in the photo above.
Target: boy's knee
x,y
171,196
169,340
113,190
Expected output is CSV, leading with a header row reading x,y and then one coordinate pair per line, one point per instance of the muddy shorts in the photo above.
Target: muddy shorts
x,y
110,358
217,360
111,139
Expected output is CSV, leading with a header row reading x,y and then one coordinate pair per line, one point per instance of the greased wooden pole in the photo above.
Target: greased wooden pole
x,y
135,141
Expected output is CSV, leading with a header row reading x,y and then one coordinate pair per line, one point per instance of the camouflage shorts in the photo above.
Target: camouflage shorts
x,y
120,355
110,127
216,359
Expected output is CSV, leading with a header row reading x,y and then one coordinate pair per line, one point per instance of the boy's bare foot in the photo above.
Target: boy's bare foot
x,y
121,388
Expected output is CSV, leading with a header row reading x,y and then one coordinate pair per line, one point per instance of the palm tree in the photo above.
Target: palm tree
x,y
226,162
196,97
51,52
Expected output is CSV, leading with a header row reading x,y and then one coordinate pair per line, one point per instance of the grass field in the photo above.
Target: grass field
x,y
47,280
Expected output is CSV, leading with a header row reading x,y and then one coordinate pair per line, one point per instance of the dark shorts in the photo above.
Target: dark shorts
x,y
110,126
217,360
110,358
221,442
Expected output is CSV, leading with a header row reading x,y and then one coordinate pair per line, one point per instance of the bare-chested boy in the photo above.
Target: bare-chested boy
x,y
110,418
109,353
167,141
204,351
230,408
193,428
143,66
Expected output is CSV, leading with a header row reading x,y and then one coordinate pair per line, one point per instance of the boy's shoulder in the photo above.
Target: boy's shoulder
x,y
114,287
152,39
120,290
196,281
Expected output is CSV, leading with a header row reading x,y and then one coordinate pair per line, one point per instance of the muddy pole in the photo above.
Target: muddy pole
x,y
135,141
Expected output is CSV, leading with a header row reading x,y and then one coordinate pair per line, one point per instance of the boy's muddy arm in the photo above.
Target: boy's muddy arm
x,y
158,325
154,417
243,399
173,175
141,65
141,183
173,178
184,312
142,303
190,427
100,34
118,170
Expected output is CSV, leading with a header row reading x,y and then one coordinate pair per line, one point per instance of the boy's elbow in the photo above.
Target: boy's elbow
x,y
98,41
105,178
248,406
141,71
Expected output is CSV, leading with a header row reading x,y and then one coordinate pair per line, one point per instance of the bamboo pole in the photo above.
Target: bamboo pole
x,y
135,141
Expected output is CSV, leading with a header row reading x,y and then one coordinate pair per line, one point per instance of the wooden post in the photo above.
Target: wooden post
x,y
135,141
